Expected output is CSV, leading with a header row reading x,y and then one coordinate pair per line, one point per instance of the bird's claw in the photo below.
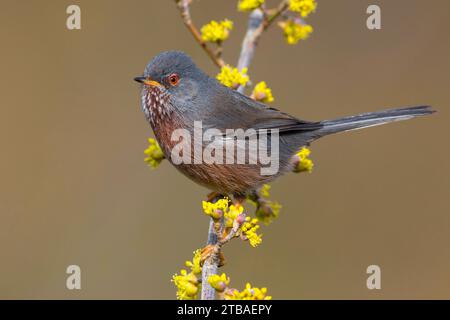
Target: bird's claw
x,y
213,196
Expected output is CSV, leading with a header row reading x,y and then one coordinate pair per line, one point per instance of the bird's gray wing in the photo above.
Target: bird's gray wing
x,y
232,110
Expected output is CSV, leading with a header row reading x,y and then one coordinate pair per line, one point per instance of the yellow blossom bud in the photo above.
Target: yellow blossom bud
x,y
240,219
195,263
265,191
219,282
249,228
232,214
303,161
304,7
154,154
249,293
191,289
262,93
216,31
215,210
232,77
187,284
247,5
295,31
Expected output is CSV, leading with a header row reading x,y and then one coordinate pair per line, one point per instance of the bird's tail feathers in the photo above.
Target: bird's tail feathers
x,y
370,119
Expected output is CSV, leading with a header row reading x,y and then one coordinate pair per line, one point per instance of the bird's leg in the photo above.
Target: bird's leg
x,y
239,200
213,196
266,210
254,196
257,199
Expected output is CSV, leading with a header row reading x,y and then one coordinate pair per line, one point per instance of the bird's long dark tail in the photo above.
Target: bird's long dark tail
x,y
369,120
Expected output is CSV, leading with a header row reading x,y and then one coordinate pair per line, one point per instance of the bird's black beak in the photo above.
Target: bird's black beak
x,y
139,79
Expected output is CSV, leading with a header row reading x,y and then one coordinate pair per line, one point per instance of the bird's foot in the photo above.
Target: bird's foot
x,y
239,200
213,196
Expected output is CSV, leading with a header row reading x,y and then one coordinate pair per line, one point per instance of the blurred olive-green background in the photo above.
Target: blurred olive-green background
x,y
74,188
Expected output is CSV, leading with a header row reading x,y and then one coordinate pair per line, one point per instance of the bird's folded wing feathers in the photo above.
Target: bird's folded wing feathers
x,y
241,112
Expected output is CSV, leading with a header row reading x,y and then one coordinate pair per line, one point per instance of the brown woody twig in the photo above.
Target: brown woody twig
x,y
183,6
211,264
259,21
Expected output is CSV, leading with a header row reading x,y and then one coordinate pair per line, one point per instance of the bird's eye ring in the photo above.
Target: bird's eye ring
x,y
174,79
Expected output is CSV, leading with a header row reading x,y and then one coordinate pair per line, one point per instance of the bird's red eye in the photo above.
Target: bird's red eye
x,y
174,79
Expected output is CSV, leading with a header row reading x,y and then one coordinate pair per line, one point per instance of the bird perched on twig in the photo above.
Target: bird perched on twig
x,y
176,93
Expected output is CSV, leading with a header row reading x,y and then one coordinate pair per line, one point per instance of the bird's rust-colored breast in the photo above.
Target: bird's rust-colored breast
x,y
225,178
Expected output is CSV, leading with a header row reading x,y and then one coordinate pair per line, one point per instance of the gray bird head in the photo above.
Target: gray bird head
x,y
170,80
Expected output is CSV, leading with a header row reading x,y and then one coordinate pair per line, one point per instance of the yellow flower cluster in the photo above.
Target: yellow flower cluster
x,y
304,7
154,154
217,209
249,229
295,31
249,293
221,208
216,31
232,77
195,264
262,93
219,283
188,284
247,5
232,214
304,163
234,218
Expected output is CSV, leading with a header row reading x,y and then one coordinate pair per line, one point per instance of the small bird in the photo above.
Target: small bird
x,y
175,93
